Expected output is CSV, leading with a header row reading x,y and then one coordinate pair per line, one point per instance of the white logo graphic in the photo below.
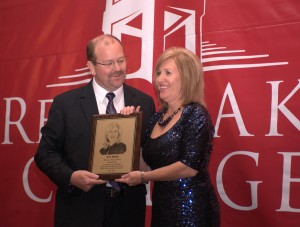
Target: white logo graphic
x,y
116,20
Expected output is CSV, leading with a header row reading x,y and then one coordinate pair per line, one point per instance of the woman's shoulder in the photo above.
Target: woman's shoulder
x,y
157,115
195,109
196,117
196,114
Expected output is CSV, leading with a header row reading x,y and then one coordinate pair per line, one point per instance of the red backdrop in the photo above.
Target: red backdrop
x,y
249,50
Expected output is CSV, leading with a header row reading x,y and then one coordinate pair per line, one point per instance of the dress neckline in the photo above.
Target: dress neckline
x,y
170,129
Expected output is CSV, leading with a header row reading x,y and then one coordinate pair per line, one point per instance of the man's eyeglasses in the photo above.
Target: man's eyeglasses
x,y
110,64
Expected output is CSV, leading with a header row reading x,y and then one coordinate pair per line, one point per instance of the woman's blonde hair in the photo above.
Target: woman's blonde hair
x,y
191,73
110,127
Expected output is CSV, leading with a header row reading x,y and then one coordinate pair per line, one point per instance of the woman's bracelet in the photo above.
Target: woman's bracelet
x,y
143,178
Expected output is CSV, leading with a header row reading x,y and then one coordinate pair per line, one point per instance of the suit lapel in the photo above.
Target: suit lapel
x,y
88,102
129,96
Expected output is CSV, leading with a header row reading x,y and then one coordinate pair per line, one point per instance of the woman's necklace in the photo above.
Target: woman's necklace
x,y
162,123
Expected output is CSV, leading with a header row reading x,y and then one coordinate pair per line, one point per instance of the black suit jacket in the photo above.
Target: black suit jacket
x,y
65,147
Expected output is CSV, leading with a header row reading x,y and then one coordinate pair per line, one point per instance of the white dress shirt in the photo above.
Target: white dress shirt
x,y
102,101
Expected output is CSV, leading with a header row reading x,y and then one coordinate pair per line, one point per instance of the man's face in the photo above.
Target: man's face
x,y
111,72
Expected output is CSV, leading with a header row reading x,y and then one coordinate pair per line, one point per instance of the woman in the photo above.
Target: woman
x,y
179,145
112,143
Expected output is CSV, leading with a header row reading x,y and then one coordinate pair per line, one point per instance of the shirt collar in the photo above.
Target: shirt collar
x,y
100,92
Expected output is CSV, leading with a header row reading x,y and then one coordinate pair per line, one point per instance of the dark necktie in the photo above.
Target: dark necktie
x,y
110,109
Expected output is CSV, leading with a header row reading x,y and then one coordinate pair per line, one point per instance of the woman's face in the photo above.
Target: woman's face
x,y
168,81
113,134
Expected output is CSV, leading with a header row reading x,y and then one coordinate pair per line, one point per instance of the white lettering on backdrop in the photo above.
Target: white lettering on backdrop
x,y
287,180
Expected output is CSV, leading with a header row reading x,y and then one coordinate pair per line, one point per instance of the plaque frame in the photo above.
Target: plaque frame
x,y
107,161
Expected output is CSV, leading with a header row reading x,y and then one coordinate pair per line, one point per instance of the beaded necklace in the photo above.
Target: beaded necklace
x,y
162,123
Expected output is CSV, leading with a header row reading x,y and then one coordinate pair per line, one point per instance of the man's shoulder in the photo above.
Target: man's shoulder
x,y
73,92
132,90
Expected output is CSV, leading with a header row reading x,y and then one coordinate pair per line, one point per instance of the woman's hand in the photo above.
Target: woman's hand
x,y
132,178
129,110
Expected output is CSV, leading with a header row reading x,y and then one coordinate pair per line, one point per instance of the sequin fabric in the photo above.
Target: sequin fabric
x,y
190,202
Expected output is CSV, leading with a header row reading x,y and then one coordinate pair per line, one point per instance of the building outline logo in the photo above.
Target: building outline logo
x,y
116,20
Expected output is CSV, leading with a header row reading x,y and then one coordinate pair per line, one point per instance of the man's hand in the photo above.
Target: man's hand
x,y
85,180
129,110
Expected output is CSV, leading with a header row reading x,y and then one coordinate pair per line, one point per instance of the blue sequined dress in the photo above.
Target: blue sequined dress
x,y
190,202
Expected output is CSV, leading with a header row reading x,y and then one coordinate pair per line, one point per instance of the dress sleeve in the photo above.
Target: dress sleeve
x,y
197,138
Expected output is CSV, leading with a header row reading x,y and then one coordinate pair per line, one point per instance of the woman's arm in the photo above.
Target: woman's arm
x,y
171,172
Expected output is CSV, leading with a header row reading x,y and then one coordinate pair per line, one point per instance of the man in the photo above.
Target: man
x,y
82,199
